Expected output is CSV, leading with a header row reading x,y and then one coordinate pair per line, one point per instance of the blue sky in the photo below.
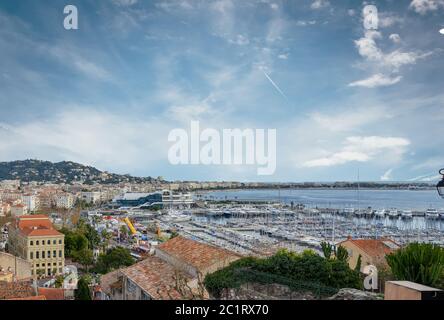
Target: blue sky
x,y
109,93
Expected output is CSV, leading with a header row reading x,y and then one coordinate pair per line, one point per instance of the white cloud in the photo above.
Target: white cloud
x,y
108,141
283,56
386,63
318,4
388,19
387,175
377,80
395,38
361,149
274,6
350,119
351,12
424,6
125,3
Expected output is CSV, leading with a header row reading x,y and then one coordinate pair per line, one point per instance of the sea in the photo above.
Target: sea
x,y
420,200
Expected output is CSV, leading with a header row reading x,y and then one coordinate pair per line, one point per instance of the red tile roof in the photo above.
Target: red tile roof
x,y
376,248
196,254
17,289
52,293
31,298
36,225
155,277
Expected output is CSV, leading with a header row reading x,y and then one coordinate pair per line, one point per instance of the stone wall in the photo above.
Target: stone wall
x,y
20,267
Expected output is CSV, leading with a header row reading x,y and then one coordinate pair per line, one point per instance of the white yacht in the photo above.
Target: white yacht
x,y
432,214
348,211
407,214
380,213
393,213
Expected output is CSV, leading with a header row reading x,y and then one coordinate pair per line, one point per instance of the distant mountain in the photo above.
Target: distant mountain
x,y
61,172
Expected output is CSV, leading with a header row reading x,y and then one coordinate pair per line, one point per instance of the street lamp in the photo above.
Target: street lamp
x,y
440,185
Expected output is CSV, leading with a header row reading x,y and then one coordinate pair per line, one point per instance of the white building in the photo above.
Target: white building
x,y
64,200
18,210
90,196
31,201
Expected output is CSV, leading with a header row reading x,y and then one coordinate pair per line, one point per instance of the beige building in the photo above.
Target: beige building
x,y
18,210
34,238
372,251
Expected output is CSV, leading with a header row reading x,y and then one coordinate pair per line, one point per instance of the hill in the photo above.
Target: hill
x,y
61,172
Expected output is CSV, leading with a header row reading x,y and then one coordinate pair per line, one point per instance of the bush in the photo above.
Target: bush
x,y
304,271
418,262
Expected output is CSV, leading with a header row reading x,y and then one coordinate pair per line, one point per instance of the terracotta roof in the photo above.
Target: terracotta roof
x,y
36,225
52,293
155,277
194,253
107,280
31,298
376,248
13,290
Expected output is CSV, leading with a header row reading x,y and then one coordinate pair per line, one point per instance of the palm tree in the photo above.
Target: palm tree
x,y
418,262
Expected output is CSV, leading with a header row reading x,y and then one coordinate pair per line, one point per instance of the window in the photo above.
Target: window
x,y
37,242
31,243
54,254
43,254
60,253
145,296
131,286
37,255
49,254
54,242
31,255
60,241
43,242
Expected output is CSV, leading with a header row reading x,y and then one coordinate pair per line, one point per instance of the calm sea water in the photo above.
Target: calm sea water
x,y
334,198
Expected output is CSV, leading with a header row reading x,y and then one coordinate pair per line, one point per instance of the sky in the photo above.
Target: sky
x,y
342,98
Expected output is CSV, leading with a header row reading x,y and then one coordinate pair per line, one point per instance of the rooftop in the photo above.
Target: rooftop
x,y
155,277
36,225
375,247
196,254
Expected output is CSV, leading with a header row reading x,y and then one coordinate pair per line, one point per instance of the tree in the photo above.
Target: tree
x,y
85,257
59,281
82,292
358,264
341,254
327,249
74,241
113,259
418,262
106,237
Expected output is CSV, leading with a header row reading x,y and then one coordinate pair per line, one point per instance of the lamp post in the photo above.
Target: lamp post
x,y
440,185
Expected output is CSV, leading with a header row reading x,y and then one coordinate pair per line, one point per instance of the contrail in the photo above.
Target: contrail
x,y
275,85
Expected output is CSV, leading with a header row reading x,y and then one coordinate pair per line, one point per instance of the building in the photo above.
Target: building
x,y
34,238
175,271
90,196
372,251
163,199
18,210
30,201
64,200
20,268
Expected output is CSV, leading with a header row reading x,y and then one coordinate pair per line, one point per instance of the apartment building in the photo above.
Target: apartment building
x,y
31,201
18,210
90,196
64,200
34,238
